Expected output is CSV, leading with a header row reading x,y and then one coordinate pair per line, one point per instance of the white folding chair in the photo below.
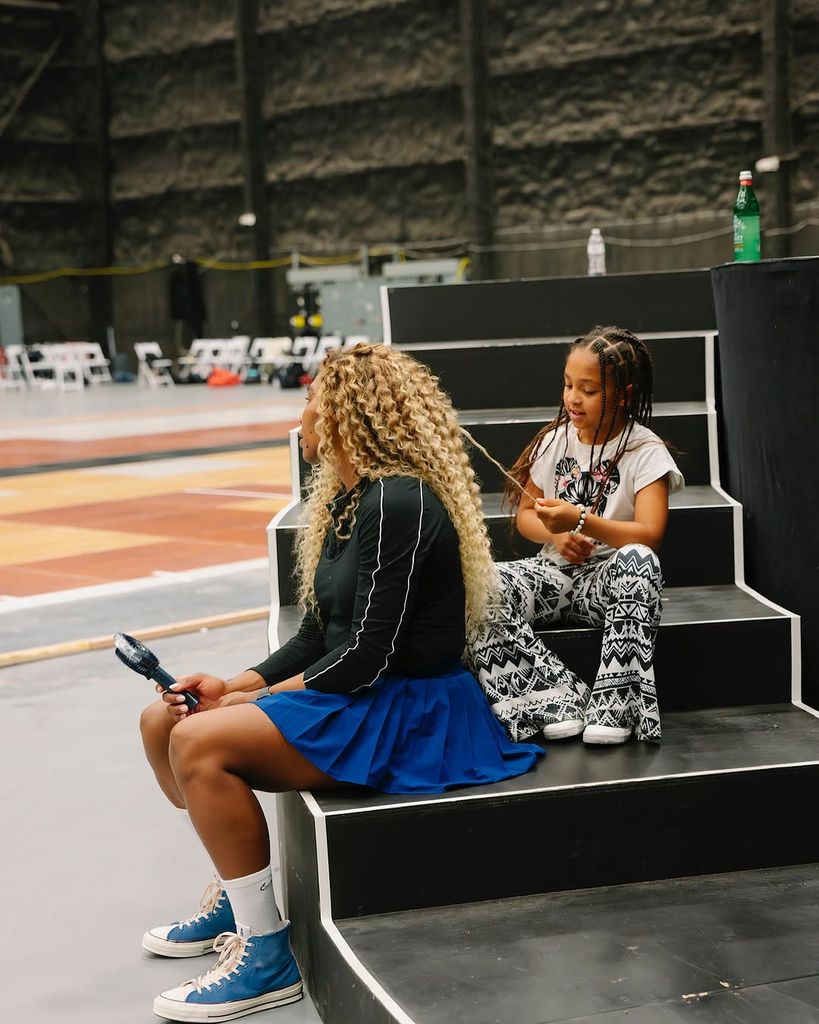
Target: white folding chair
x,y
265,353
233,353
95,366
203,356
156,371
59,367
12,374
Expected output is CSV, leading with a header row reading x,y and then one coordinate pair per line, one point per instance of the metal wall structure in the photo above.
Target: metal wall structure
x,y
630,115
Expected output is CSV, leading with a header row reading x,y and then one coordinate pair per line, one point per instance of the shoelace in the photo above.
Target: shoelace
x,y
231,949
210,900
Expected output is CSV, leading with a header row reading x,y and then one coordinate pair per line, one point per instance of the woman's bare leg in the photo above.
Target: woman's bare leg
x,y
218,758
156,724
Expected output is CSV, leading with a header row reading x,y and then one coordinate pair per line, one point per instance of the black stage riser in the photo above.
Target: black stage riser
x,y
552,307
687,437
334,988
578,838
686,561
523,375
700,665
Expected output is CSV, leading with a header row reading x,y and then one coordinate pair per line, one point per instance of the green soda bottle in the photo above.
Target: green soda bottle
x,y
747,242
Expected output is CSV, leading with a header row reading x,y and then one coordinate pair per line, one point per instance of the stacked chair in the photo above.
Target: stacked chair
x,y
60,366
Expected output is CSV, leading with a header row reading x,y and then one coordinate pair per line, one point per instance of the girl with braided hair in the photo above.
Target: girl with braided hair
x,y
394,567
592,487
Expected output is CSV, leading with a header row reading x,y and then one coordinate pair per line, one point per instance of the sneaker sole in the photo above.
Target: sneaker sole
x,y
164,947
563,730
606,734
213,1013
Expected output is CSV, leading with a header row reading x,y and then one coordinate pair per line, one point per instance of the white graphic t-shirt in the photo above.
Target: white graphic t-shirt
x,y
561,471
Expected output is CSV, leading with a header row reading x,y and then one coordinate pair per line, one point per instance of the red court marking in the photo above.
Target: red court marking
x,y
123,564
176,514
20,452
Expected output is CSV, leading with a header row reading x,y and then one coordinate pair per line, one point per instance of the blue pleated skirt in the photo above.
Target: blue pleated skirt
x,y
402,735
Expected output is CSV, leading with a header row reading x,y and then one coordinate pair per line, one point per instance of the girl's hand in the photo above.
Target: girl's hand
x,y
574,547
557,516
209,690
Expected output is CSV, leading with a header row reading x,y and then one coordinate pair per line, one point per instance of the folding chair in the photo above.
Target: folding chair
x,y
264,355
95,366
11,373
156,372
59,367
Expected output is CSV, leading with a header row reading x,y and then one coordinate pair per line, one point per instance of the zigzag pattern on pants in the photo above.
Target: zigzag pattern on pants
x,y
528,686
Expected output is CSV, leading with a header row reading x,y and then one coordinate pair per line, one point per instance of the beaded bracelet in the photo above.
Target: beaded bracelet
x,y
581,522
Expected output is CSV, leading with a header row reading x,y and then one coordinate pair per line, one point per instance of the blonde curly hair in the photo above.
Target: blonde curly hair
x,y
390,417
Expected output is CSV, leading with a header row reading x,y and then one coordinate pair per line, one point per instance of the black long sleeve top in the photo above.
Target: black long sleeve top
x,y
390,599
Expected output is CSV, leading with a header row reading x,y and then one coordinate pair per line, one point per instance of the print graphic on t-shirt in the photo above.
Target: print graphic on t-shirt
x,y
580,486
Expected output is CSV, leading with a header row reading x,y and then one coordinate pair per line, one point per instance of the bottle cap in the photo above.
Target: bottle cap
x,y
745,176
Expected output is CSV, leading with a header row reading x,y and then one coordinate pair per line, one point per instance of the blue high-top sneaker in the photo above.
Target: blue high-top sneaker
x,y
196,934
252,973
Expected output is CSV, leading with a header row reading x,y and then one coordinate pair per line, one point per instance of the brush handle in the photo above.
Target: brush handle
x,y
159,675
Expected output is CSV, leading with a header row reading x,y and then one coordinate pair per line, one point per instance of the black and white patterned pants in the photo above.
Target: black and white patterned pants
x,y
528,686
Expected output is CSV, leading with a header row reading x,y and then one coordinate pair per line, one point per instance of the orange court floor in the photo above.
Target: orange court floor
x,y
118,482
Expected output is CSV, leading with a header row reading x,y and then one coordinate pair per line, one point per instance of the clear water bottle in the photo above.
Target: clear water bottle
x,y
747,240
596,252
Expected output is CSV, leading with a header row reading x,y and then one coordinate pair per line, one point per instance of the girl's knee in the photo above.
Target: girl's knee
x,y
637,560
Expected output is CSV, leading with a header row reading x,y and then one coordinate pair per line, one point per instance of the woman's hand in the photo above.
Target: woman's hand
x,y
574,547
240,697
557,516
209,689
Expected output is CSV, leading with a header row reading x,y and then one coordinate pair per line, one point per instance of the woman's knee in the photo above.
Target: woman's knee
x,y
195,748
155,722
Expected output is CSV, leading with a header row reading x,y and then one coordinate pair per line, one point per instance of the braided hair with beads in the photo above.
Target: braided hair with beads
x,y
624,361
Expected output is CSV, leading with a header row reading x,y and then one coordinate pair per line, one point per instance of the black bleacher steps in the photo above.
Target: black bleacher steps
x,y
740,947
728,790
697,512
529,373
716,646
701,801
506,432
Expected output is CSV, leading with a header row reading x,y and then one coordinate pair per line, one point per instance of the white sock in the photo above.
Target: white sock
x,y
183,811
254,903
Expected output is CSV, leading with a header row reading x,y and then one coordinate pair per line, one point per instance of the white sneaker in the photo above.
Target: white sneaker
x,y
607,734
563,730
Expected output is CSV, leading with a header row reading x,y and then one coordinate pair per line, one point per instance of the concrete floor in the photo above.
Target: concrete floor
x,y
27,413
92,855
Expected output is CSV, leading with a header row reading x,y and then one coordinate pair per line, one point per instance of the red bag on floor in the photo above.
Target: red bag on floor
x,y
221,378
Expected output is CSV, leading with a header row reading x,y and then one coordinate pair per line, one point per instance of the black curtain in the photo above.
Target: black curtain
x,y
768,322
187,303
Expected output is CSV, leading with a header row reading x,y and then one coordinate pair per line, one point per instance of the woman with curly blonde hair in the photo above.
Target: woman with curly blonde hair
x,y
394,569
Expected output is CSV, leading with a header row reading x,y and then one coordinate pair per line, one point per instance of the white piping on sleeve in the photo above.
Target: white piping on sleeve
x,y
369,596
406,595
391,651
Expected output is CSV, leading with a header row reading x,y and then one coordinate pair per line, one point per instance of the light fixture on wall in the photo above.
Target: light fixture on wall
x,y
248,220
